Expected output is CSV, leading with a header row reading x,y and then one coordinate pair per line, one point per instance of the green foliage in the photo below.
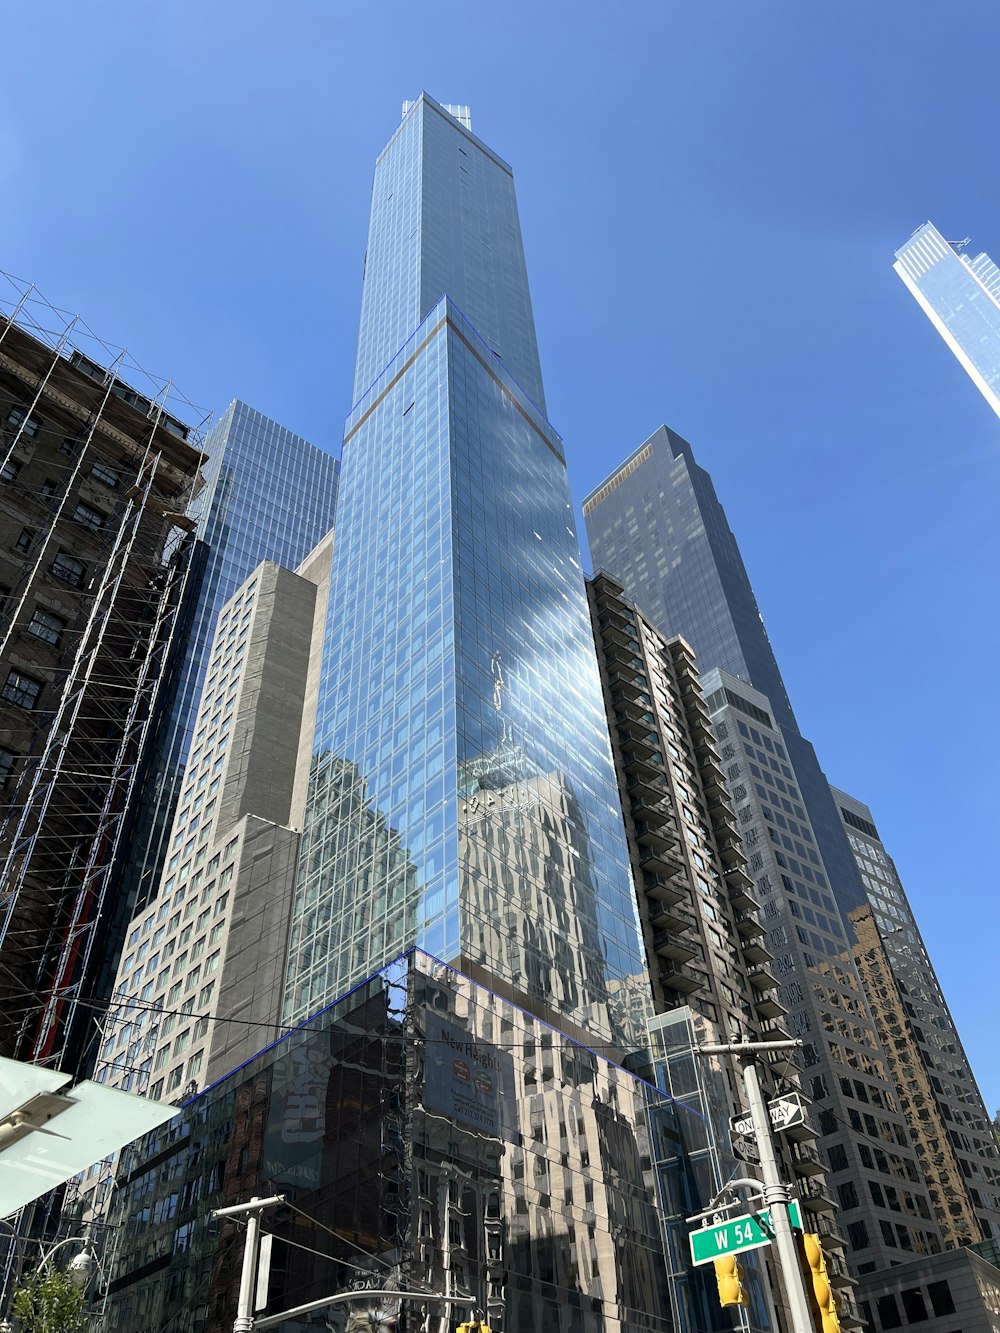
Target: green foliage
x,y
49,1303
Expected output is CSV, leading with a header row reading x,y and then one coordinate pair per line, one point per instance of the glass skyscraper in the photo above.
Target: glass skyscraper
x,y
657,526
268,495
961,298
462,797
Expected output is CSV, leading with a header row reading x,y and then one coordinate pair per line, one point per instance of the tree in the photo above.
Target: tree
x,y
49,1303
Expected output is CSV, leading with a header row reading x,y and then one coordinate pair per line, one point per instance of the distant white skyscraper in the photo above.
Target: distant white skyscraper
x,y
961,298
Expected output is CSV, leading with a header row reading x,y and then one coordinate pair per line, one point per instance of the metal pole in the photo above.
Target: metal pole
x,y
243,1323
776,1196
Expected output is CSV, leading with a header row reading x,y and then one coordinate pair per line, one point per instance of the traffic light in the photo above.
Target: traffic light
x,y
729,1276
473,1326
823,1300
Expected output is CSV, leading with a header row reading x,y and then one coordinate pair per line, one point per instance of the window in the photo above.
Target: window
x,y
888,1312
24,540
47,626
7,761
106,475
857,1235
69,446
67,568
30,426
88,516
941,1299
11,467
21,690
838,1158
848,1195
913,1305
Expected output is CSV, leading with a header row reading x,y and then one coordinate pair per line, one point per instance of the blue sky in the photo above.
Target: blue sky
x,y
710,193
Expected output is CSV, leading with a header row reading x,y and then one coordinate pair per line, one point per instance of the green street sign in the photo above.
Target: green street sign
x,y
749,1231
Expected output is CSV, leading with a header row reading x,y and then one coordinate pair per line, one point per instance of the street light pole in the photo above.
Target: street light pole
x,y
244,1321
776,1192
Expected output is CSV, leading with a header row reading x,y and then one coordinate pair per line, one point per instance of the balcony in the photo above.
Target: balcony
x,y
662,889
632,727
615,637
776,1030
611,616
769,1006
657,835
816,1198
643,788
761,977
679,977
699,723
662,917
731,852
712,777
826,1229
638,762
754,952
627,685
674,947
739,896
750,925
660,861
806,1160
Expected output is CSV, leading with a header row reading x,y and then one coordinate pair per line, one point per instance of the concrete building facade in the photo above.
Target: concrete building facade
x,y
96,473
200,981
884,1206
711,969
948,1121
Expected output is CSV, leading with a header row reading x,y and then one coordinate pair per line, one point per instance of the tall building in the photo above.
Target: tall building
x,y
465,971
460,696
98,468
943,1106
657,525
711,968
961,298
268,495
884,1205
213,939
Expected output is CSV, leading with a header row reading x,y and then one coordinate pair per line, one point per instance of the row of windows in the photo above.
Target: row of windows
x,y
11,468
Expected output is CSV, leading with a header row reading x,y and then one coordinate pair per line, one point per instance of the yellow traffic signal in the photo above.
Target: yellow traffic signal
x,y
473,1326
824,1302
729,1276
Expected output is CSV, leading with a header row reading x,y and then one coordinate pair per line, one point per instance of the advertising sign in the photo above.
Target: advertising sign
x,y
470,1081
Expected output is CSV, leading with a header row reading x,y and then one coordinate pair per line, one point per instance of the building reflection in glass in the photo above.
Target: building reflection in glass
x,y
459,657
427,1133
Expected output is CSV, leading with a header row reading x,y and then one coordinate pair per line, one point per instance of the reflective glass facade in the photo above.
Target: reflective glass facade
x,y
427,1135
656,525
961,298
268,495
463,796
444,220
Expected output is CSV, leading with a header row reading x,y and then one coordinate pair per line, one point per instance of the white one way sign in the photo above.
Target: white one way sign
x,y
785,1112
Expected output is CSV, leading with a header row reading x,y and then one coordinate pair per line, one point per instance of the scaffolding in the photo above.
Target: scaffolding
x,y
83,406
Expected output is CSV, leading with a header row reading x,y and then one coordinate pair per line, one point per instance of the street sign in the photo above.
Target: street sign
x,y
785,1112
748,1232
745,1149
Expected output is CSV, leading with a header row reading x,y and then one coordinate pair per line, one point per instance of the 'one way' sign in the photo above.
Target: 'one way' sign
x,y
784,1111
